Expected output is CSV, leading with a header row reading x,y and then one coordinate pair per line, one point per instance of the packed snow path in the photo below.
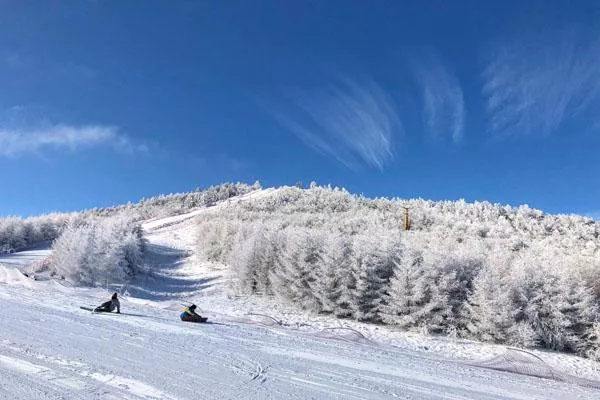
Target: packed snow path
x,y
50,349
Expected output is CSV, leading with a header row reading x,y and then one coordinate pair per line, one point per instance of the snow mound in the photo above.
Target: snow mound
x,y
525,363
13,277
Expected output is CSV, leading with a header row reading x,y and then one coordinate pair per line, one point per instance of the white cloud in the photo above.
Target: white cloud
x,y
443,101
533,86
14,142
353,121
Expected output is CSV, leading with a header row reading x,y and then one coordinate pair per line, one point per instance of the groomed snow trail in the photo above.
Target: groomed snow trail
x,y
51,349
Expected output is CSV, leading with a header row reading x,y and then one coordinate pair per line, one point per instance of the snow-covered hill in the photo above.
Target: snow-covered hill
x,y
254,349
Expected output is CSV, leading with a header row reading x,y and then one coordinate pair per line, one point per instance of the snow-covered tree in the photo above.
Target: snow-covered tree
x,y
491,310
338,280
297,274
463,268
376,257
70,257
98,252
409,291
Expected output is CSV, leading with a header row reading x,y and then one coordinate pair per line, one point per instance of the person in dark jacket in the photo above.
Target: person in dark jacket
x,y
189,315
110,305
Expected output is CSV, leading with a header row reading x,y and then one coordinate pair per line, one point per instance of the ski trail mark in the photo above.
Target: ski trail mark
x,y
41,372
132,386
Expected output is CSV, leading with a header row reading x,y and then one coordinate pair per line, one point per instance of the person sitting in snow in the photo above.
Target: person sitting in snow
x,y
110,305
189,315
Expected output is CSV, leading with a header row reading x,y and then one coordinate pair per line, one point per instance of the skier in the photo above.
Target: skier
x,y
110,305
189,315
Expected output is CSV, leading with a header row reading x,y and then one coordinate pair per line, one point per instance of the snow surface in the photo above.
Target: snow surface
x,y
254,348
24,258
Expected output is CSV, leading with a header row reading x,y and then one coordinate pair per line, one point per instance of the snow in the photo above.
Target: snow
x,y
11,265
148,353
12,276
255,348
25,258
177,219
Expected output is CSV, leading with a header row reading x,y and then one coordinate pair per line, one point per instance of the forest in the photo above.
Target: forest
x,y
483,271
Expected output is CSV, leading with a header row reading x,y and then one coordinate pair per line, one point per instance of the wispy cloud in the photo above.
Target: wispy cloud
x,y
443,101
354,121
532,86
15,142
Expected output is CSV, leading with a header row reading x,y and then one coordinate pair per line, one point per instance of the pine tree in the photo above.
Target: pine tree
x,y
337,280
375,268
296,274
409,291
491,311
580,310
458,273
246,258
559,310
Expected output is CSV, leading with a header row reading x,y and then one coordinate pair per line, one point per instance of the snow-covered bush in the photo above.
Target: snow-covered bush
x,y
558,307
530,299
17,233
98,251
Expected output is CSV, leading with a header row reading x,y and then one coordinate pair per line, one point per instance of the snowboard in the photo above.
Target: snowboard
x,y
92,310
199,320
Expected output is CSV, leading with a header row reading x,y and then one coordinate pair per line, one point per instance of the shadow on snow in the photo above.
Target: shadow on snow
x,y
159,279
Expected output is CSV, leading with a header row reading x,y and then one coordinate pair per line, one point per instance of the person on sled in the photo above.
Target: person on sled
x,y
110,305
189,315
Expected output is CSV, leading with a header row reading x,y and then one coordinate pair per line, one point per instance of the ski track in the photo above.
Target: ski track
x,y
51,349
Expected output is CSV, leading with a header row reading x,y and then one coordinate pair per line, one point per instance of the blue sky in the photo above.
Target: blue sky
x,y
104,102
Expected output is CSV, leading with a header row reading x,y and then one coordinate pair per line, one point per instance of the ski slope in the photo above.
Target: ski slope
x,y
50,349
253,349
23,259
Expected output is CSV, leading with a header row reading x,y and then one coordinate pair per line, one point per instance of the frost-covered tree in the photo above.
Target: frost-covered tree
x,y
559,310
464,268
296,277
430,287
376,258
338,278
215,240
98,252
455,285
246,259
409,291
70,259
491,310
